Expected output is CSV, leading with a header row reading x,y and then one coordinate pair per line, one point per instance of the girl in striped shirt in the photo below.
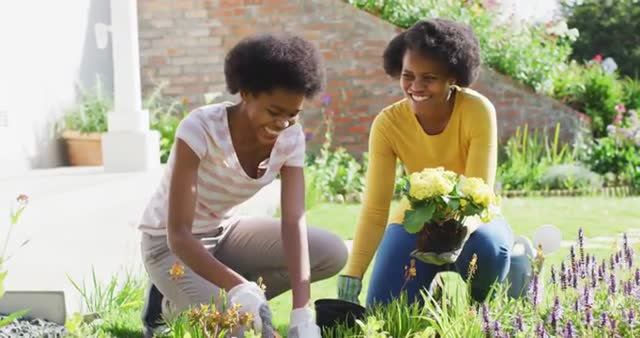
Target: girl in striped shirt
x,y
224,154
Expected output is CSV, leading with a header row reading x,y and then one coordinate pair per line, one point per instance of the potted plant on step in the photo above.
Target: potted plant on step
x,y
84,125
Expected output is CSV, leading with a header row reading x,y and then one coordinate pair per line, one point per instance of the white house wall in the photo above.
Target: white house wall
x,y
47,50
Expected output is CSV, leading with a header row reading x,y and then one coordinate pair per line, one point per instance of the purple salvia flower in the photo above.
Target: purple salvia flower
x,y
612,325
536,295
637,276
568,331
574,281
612,262
553,275
519,323
594,279
612,284
556,314
576,306
627,288
497,329
540,331
574,268
588,316
604,319
625,242
631,317
563,276
581,246
486,321
587,298
630,258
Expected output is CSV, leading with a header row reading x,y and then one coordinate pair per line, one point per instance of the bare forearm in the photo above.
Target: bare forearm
x,y
194,255
296,250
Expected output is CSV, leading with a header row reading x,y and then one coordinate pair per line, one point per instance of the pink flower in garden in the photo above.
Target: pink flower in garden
x,y
330,112
597,58
620,108
617,119
22,199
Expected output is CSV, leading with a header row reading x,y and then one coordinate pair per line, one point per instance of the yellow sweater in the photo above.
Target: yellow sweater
x,y
467,145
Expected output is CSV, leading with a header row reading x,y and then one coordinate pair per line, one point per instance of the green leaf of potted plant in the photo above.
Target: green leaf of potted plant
x,y
84,125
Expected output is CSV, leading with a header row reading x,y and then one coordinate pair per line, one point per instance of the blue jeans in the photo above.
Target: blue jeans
x,y
491,242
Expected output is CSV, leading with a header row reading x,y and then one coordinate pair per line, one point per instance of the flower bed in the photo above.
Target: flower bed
x,y
583,297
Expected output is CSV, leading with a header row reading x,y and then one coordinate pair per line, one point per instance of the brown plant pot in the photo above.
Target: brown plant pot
x,y
83,149
441,237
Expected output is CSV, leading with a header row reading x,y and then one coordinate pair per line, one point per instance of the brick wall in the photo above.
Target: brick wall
x,y
184,42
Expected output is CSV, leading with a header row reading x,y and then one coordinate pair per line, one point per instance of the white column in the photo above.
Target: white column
x,y
128,145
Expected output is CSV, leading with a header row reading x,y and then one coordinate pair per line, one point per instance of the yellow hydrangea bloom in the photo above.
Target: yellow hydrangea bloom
x,y
479,192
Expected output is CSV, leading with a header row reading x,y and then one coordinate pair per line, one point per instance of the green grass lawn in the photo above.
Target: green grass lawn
x,y
598,216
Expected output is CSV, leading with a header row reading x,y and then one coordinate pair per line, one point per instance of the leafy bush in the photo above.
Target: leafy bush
x,y
591,90
631,93
90,114
604,29
527,53
616,155
570,176
528,157
165,115
337,174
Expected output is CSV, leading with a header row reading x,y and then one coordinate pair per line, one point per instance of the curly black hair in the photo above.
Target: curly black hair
x,y
264,62
451,43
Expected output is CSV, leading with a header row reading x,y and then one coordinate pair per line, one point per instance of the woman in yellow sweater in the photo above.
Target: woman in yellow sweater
x,y
439,123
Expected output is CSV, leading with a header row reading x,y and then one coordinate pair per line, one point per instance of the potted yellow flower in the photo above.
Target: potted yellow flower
x,y
441,202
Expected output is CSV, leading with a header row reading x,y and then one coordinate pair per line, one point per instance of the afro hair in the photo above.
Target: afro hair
x,y
265,62
449,42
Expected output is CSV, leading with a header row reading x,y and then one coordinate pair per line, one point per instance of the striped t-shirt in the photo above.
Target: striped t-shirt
x,y
222,182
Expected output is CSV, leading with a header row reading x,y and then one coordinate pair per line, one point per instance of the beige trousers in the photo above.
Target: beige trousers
x,y
253,248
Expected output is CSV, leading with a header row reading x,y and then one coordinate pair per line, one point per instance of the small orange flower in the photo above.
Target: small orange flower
x,y
473,266
410,271
176,271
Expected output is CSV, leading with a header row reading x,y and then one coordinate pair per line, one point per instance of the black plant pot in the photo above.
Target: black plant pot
x,y
332,312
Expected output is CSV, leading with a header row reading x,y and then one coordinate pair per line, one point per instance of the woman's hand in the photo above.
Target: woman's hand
x,y
294,234
183,193
251,299
349,288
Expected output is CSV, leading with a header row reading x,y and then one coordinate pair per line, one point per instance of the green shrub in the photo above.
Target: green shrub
x,y
570,176
606,28
527,157
90,114
631,93
530,54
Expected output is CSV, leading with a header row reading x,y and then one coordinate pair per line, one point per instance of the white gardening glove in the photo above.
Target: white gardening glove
x,y
252,300
435,258
302,324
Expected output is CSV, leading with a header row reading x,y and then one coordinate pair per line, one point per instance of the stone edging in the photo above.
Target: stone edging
x,y
621,191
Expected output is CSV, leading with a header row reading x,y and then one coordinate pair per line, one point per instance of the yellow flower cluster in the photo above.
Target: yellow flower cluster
x,y
479,192
431,182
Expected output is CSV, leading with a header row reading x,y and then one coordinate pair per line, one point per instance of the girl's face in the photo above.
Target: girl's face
x,y
424,81
272,112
